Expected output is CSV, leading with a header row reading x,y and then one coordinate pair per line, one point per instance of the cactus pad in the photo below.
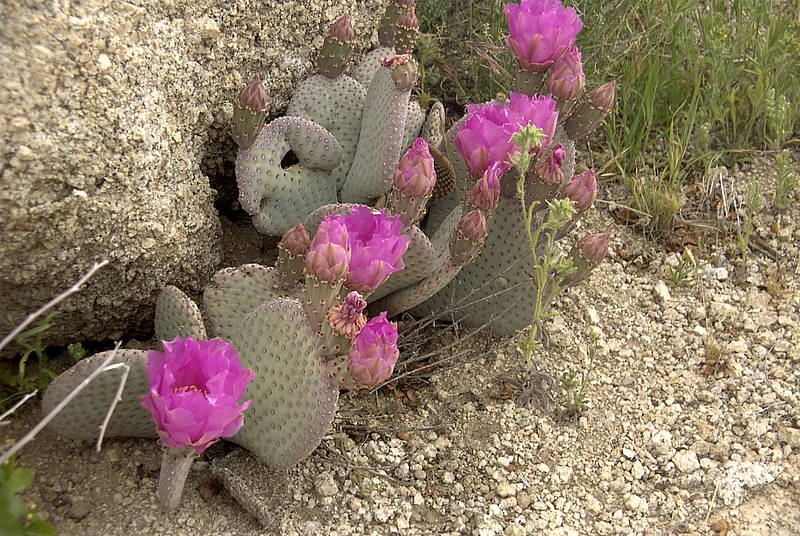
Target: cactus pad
x,y
234,292
277,191
82,417
294,400
335,104
177,315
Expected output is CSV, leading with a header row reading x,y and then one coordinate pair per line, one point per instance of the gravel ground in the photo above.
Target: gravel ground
x,y
692,425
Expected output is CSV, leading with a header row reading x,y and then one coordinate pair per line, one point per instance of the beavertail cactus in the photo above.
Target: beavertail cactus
x,y
249,113
286,173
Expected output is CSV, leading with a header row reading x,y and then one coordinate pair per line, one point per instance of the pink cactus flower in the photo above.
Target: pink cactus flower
x,y
377,247
374,352
566,80
415,175
329,254
194,389
485,136
540,31
348,318
485,195
582,190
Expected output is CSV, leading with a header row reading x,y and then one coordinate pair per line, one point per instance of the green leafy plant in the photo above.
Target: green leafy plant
x,y
76,351
17,518
18,381
785,180
575,383
754,201
682,273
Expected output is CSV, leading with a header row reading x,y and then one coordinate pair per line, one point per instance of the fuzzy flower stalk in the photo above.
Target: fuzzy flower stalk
x,y
195,386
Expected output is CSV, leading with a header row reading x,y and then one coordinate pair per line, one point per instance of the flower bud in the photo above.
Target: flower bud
x,y
590,113
296,240
404,70
582,190
328,256
415,175
485,195
249,113
374,352
336,48
549,169
405,33
593,247
566,79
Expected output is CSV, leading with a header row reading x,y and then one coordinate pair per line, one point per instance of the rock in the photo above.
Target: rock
x,y
790,436
326,485
505,489
686,461
661,443
79,510
739,477
661,292
113,120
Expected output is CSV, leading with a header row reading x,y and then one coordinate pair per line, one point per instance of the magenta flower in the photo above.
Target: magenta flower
x,y
329,254
486,135
566,79
485,195
374,352
540,31
582,190
415,175
377,248
194,389
348,318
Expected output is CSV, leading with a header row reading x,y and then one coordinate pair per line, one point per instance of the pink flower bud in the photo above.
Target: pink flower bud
x,y
329,254
194,389
540,31
374,352
593,247
582,190
296,240
415,175
549,169
485,195
254,97
566,79
473,226
342,30
603,97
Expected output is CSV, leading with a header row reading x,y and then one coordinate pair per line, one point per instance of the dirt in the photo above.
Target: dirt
x,y
692,424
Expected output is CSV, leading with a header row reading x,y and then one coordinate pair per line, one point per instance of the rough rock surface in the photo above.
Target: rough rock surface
x,y
112,117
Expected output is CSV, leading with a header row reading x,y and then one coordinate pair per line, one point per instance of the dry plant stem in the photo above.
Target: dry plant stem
x,y
174,469
52,303
117,397
61,405
17,405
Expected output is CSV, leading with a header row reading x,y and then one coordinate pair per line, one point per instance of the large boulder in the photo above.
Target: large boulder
x,y
112,116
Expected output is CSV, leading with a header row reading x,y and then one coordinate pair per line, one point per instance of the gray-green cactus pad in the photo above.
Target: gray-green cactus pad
x,y
433,130
177,315
369,64
380,141
497,285
337,105
415,117
418,261
294,400
234,293
82,417
279,194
